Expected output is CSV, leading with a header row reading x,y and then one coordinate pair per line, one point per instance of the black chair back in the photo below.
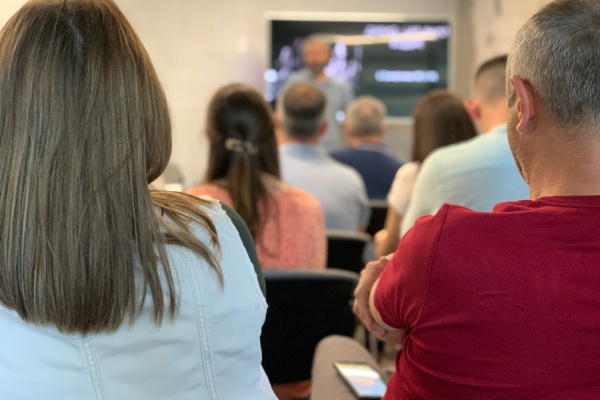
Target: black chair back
x,y
304,307
345,249
379,209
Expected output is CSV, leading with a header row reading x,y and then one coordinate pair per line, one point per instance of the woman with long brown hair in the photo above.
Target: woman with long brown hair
x,y
243,171
440,119
106,289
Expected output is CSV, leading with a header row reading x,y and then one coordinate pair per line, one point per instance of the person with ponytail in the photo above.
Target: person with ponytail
x,y
287,223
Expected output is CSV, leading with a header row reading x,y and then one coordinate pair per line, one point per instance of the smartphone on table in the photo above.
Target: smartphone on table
x,y
363,380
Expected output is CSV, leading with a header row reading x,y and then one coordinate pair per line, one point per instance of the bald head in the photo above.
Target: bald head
x,y
301,111
490,81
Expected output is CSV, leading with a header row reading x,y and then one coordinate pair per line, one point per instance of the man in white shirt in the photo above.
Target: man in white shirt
x,y
480,172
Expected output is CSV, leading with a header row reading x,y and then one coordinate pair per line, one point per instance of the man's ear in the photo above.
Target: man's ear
x,y
322,129
473,108
347,129
524,103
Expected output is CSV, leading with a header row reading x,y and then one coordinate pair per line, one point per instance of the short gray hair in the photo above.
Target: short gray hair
x,y
558,53
301,110
365,116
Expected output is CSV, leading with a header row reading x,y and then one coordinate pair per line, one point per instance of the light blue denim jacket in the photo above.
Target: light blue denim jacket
x,y
210,351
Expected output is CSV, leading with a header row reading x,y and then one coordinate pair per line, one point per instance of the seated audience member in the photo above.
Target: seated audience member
x,y
476,174
243,172
504,304
440,119
305,164
365,126
109,290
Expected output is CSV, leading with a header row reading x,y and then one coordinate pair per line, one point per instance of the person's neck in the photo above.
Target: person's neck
x,y
355,141
564,168
286,139
320,77
493,115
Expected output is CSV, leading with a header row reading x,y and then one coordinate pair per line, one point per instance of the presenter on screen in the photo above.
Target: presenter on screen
x,y
316,54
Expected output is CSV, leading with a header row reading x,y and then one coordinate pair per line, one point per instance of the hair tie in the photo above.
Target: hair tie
x,y
241,146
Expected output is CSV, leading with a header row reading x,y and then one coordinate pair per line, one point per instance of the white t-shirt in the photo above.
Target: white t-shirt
x,y
477,174
402,187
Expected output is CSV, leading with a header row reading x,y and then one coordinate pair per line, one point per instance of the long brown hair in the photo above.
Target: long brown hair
x,y
440,119
84,127
241,133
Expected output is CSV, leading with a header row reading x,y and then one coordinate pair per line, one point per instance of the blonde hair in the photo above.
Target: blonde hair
x,y
84,127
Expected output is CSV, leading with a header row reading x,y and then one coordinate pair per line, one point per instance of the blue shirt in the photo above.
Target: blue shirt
x,y
339,188
337,94
374,163
476,174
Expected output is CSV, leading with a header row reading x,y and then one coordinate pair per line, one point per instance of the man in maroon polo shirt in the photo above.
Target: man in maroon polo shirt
x,y
506,305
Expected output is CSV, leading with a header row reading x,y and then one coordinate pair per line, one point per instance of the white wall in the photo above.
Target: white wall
x,y
199,45
496,23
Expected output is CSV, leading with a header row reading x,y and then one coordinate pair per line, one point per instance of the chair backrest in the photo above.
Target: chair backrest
x,y
304,307
345,249
379,209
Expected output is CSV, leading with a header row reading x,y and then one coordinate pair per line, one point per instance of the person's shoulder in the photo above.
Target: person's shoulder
x,y
453,151
299,75
475,149
213,191
344,171
455,159
199,213
427,228
470,222
300,196
341,152
299,200
409,169
343,155
339,83
403,179
390,160
205,189
283,149
452,215
211,207
364,159
451,218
